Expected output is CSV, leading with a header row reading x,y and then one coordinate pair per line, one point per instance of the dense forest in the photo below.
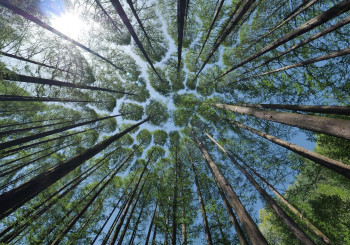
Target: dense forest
x,y
175,122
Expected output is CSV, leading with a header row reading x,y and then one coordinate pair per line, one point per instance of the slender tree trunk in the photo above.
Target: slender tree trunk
x,y
26,15
308,223
167,223
255,235
50,82
222,234
119,8
183,226
181,9
174,223
216,14
151,224
339,167
332,28
44,99
201,203
331,13
155,231
238,16
26,139
11,200
30,122
331,126
294,228
108,16
131,5
341,110
136,225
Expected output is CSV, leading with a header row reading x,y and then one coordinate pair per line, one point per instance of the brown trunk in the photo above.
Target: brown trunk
x,y
295,229
201,203
26,139
43,99
26,15
331,13
174,224
13,199
334,165
136,225
181,9
255,235
119,8
155,232
331,126
151,224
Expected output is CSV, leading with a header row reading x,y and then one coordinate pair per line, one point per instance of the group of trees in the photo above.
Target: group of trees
x,y
172,121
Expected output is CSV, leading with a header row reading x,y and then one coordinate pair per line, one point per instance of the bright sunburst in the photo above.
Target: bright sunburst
x,y
69,24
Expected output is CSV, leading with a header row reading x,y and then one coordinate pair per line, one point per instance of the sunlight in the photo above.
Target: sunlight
x,y
69,24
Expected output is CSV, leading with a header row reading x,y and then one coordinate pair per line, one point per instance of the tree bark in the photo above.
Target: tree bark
x,y
331,13
136,225
11,200
167,223
44,99
183,225
181,9
294,228
26,15
255,235
174,223
331,126
151,224
339,167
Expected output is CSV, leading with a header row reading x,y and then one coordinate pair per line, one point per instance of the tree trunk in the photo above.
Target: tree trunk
x,y
181,9
167,223
255,235
136,225
339,167
30,122
119,8
131,5
183,226
216,14
294,228
155,232
174,224
201,203
331,13
26,139
44,99
11,200
151,224
331,126
238,16
26,15
308,223
341,110
50,82
108,16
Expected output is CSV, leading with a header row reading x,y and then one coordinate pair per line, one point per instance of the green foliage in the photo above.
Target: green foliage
x,y
133,111
158,111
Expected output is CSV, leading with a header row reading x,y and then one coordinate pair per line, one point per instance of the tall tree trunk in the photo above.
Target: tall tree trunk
x,y
30,122
37,80
174,223
11,200
331,126
255,235
133,10
26,139
238,16
136,225
325,109
332,28
43,99
308,223
119,8
167,223
28,16
339,167
294,228
183,225
216,14
108,16
201,203
181,9
151,224
331,13
155,232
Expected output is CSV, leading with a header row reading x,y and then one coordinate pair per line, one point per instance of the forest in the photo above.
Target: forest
x,y
175,122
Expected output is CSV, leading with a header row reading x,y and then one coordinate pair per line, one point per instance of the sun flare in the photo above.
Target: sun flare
x,y
69,24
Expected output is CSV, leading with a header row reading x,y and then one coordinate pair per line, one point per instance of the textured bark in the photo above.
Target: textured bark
x,y
339,167
331,13
331,126
151,224
50,82
133,10
238,16
201,203
181,9
119,8
325,109
11,200
255,235
309,224
7,4
294,228
26,139
216,14
43,99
